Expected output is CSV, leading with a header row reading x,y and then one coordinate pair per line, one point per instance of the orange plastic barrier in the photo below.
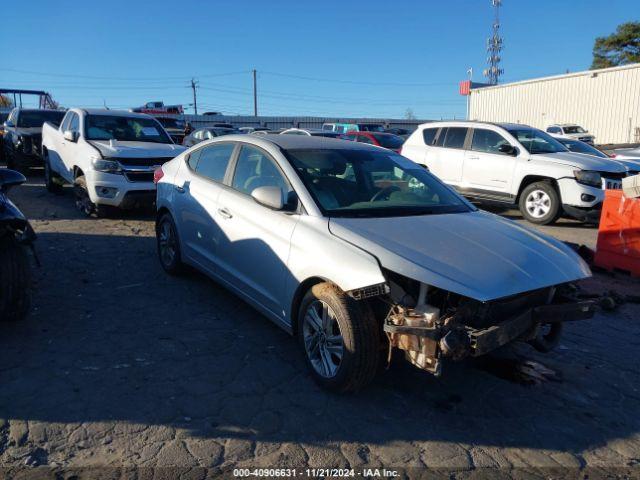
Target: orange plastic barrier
x,y
619,234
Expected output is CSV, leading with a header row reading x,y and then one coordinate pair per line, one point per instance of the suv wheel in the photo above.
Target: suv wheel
x,y
168,245
339,337
540,203
51,179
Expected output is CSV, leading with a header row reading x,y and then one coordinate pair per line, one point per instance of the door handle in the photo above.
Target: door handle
x,y
224,213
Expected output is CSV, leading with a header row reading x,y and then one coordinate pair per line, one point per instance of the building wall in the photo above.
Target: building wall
x,y
606,102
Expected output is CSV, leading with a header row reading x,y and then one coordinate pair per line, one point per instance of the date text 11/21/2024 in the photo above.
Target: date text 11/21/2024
x,y
315,472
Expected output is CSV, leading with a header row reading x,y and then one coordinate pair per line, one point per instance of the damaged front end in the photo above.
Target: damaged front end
x,y
430,324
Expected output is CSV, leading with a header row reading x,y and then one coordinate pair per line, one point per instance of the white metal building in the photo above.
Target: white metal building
x,y
606,102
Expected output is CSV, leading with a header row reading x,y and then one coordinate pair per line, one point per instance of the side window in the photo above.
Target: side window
x,y
429,135
365,139
74,123
65,121
255,169
553,130
193,159
455,137
213,161
487,141
441,135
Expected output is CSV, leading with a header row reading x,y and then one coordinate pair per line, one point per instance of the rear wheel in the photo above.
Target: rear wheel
x,y
51,179
339,337
15,280
168,245
540,203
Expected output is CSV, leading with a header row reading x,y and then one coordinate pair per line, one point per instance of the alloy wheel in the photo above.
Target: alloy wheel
x,y
323,341
538,203
167,243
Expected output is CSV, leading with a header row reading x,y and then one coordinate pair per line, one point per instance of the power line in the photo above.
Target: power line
x,y
352,82
94,77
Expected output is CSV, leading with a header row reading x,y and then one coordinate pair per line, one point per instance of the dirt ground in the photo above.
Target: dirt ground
x,y
120,365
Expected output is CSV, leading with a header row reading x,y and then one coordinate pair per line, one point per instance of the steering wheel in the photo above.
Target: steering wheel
x,y
386,191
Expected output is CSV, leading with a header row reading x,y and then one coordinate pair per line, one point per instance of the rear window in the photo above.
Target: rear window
x,y
429,135
455,137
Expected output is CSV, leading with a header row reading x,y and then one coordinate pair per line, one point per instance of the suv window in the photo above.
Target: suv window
x,y
429,135
455,137
553,129
213,161
487,141
255,169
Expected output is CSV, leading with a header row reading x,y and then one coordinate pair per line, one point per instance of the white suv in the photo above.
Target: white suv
x,y
570,130
515,164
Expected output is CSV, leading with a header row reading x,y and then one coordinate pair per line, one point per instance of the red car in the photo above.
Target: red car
x,y
385,140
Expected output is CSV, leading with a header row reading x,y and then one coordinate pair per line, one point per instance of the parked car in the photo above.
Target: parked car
x,y
206,133
109,157
342,244
174,127
401,132
4,114
23,136
212,113
253,129
379,139
570,130
311,132
16,237
577,146
356,127
626,154
158,108
515,164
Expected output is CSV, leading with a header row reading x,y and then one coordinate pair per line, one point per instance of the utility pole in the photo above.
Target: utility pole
x,y
255,94
195,100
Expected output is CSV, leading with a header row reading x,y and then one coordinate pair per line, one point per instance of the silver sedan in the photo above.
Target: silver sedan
x,y
358,251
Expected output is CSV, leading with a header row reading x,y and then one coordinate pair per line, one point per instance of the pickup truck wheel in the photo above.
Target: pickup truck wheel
x,y
168,245
540,203
84,203
51,179
15,280
340,338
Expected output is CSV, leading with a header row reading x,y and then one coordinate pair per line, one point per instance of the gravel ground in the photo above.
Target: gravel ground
x,y
120,365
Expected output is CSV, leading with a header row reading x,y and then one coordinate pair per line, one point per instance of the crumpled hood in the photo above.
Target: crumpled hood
x,y
137,149
475,254
579,160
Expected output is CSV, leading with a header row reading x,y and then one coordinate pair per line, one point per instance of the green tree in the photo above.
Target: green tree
x,y
619,48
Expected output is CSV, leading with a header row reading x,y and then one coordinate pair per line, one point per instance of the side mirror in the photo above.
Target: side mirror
x,y
70,135
10,178
508,149
270,197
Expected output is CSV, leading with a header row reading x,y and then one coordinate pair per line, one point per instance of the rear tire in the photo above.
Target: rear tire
x,y
347,363
51,179
540,203
15,280
168,244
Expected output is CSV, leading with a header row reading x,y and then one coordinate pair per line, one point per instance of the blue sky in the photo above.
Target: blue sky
x,y
329,58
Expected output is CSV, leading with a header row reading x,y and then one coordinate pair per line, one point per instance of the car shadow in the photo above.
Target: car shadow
x,y
112,338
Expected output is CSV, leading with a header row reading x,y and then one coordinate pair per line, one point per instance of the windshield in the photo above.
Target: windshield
x,y
574,129
537,141
170,122
31,119
389,141
581,147
364,183
124,129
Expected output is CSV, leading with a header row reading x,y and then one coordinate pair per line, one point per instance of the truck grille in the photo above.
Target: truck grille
x,y
139,176
140,162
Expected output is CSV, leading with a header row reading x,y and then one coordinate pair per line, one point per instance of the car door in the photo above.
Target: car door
x,y
198,184
70,153
55,153
486,168
446,157
255,240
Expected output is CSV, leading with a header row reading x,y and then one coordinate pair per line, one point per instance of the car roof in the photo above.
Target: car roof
x,y
471,123
303,142
565,125
21,109
115,113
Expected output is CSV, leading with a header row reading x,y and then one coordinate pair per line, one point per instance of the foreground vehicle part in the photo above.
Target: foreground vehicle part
x,y
16,236
340,338
341,242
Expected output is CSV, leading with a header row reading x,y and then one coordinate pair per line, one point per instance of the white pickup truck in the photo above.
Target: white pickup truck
x,y
108,156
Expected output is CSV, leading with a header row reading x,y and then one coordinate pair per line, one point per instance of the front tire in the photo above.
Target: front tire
x,y
84,203
540,203
339,337
169,245
15,280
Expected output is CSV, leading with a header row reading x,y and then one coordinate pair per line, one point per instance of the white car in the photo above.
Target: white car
x,y
632,154
515,164
357,250
109,156
570,130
